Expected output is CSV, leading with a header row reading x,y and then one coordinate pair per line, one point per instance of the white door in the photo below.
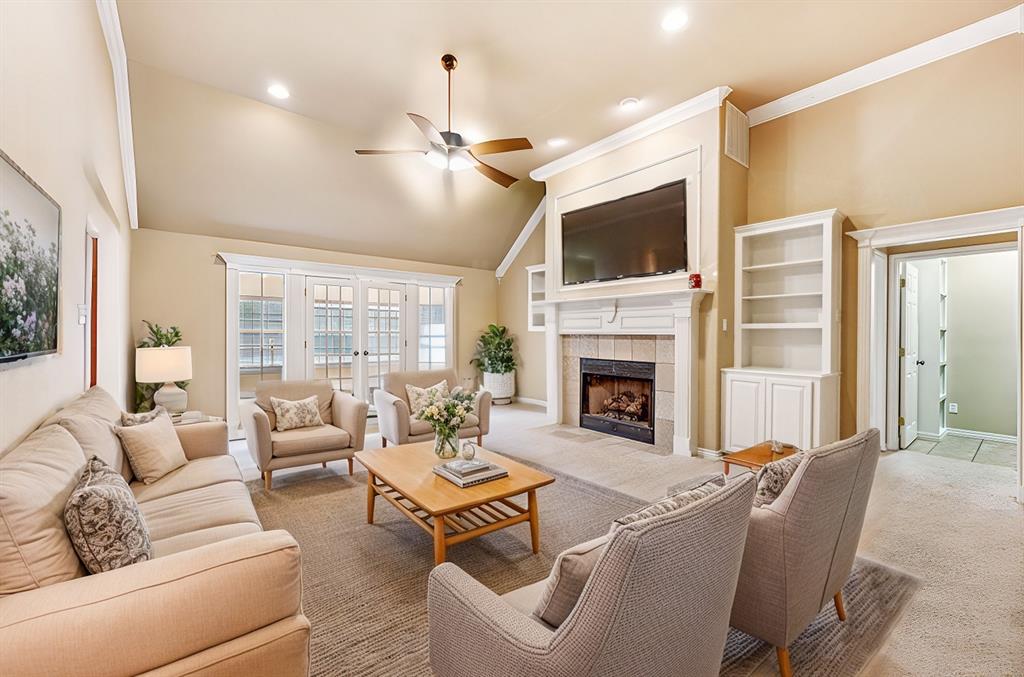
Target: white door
x,y
744,411
332,324
382,344
909,355
788,410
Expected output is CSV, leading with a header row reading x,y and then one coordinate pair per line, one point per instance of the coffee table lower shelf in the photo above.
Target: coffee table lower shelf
x,y
460,525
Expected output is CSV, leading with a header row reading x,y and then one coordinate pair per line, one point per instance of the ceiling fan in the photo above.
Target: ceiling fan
x,y
448,150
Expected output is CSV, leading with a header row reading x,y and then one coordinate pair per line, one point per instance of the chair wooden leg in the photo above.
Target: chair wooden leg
x,y
350,467
480,440
267,480
324,464
383,442
840,609
784,667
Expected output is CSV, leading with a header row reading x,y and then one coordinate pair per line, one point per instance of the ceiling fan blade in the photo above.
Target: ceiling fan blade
x,y
500,146
427,128
493,174
388,152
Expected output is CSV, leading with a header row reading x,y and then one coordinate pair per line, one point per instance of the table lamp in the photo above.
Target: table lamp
x,y
165,365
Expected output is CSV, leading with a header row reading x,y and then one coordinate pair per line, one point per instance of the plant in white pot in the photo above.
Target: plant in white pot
x,y
496,360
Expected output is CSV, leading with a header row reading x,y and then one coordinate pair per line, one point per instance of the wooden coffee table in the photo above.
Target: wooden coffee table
x,y
404,476
756,457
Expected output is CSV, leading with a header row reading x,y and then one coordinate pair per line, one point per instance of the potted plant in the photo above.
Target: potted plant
x,y
496,361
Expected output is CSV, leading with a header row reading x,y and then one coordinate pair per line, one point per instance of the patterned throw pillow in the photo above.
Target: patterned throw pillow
x,y
418,397
773,477
296,414
142,417
672,503
103,520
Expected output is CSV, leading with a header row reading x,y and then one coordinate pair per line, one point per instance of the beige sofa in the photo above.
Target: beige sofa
x,y
399,426
220,597
340,437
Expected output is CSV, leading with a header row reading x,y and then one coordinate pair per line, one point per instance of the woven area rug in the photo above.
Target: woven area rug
x,y
364,586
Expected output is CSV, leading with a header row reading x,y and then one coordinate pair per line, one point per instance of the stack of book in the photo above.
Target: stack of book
x,y
468,473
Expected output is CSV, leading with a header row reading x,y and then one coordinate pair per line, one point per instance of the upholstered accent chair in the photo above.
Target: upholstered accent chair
x,y
657,603
801,546
396,420
340,437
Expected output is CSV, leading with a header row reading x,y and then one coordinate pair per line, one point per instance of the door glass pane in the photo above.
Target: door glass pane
x,y
261,329
433,339
383,335
332,334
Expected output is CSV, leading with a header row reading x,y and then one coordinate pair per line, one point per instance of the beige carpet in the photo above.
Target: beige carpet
x,y
364,586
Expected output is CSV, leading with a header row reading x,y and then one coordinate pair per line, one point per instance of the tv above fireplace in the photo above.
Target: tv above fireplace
x,y
633,236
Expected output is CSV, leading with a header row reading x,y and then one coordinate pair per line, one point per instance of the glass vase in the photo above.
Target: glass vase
x,y
446,445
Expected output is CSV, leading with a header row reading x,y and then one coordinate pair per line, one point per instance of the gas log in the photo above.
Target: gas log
x,y
627,406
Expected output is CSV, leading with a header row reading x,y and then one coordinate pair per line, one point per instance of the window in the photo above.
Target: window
x,y
261,330
433,321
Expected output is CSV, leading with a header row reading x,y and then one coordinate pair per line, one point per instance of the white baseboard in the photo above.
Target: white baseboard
x,y
531,400
709,454
974,434
929,437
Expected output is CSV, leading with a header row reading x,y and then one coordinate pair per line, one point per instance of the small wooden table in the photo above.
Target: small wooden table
x,y
756,457
404,476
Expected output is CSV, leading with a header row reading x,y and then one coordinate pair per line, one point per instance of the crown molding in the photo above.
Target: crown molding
x,y
524,235
709,100
974,35
944,228
111,24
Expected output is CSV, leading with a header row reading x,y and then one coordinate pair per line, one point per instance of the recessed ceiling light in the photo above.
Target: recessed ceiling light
x,y
629,103
278,91
557,142
674,20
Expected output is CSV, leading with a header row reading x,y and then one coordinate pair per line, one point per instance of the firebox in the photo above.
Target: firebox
x,y
617,397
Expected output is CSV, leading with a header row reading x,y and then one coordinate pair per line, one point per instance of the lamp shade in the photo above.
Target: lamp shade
x,y
163,365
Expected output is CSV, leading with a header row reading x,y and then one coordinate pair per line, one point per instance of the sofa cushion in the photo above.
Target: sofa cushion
x,y
36,479
292,414
201,537
303,441
153,448
103,520
96,436
187,511
198,473
673,502
569,575
295,390
420,397
773,477
95,402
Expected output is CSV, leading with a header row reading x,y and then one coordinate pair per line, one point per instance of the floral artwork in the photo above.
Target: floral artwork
x,y
29,266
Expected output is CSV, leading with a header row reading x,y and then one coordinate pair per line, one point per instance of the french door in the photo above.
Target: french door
x,y
355,333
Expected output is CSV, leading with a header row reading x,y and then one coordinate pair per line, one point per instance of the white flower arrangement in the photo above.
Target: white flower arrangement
x,y
446,414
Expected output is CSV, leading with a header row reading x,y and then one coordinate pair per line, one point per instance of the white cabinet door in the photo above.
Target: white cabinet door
x,y
744,411
788,410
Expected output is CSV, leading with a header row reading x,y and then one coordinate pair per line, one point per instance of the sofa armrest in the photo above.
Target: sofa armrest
x,y
150,614
473,630
257,437
199,440
392,416
349,413
482,406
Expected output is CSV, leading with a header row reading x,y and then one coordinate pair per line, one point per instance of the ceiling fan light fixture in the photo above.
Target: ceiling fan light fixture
x,y
459,160
436,158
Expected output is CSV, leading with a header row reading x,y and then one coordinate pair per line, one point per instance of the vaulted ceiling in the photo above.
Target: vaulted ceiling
x,y
217,155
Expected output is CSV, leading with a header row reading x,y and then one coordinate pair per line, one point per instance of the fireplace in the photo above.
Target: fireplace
x,y
617,397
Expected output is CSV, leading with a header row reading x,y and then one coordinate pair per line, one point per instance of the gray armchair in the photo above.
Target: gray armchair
x,y
657,603
397,424
341,436
801,547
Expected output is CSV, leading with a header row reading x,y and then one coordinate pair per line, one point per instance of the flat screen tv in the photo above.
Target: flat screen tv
x,y
633,236
29,266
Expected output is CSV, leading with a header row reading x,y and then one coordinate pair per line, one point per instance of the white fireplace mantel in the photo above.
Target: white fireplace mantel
x,y
666,313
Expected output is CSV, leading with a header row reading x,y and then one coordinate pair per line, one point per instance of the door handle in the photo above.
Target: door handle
x,y
355,353
366,352
921,362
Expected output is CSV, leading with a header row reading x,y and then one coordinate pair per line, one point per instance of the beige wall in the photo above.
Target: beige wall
x,y
178,280
530,374
983,342
941,140
58,123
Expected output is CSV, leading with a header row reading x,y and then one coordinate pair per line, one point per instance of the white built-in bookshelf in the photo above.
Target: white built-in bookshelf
x,y
943,342
786,359
535,297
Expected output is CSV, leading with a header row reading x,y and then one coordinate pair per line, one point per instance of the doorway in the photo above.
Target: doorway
x,y
957,353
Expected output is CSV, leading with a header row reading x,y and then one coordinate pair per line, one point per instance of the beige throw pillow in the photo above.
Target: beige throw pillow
x,y
97,438
296,414
673,502
418,397
568,577
153,448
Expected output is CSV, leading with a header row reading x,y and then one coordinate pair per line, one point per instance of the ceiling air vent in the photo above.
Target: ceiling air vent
x,y
737,135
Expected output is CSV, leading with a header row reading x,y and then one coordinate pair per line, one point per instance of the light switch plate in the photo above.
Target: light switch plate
x,y
83,314
954,408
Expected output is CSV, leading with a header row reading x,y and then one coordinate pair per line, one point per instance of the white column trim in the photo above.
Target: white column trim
x,y
553,360
685,407
231,356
